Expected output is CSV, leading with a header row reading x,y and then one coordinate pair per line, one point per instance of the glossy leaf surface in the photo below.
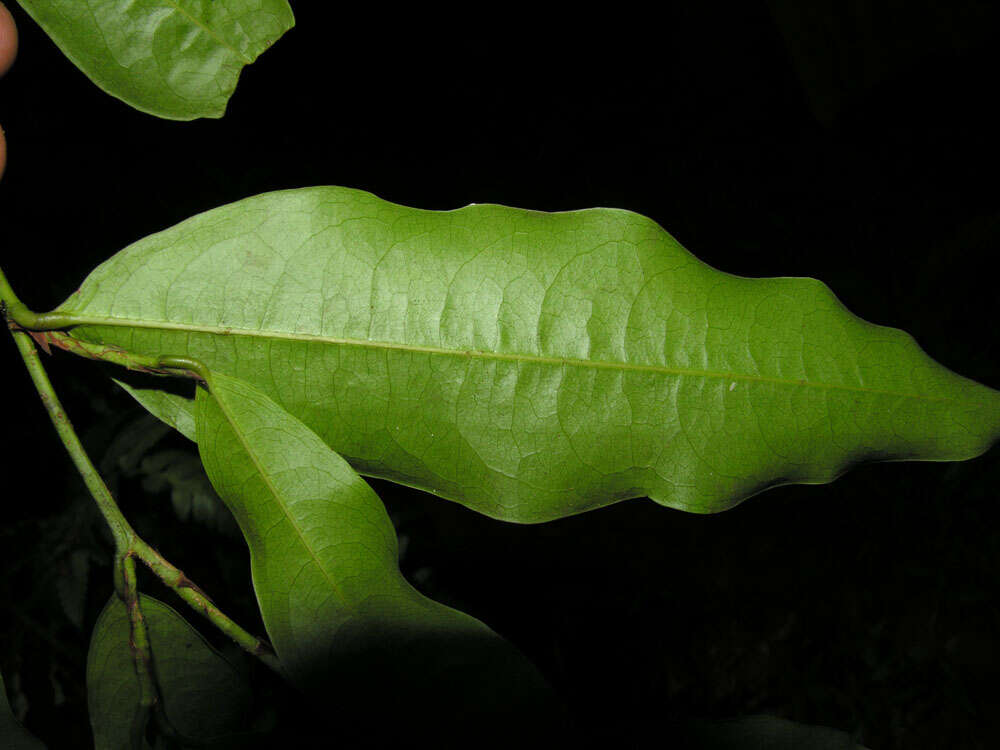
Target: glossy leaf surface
x,y
531,365
177,59
343,620
12,735
203,694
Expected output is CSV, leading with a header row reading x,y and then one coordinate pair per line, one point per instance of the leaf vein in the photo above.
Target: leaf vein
x,y
86,320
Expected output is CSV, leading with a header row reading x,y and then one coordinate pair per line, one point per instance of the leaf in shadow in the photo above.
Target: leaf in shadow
x,y
204,695
349,629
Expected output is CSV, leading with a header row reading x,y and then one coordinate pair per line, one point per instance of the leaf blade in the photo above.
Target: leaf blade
x,y
204,696
346,625
531,365
171,409
176,59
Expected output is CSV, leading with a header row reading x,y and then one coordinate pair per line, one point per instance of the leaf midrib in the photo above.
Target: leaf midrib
x,y
85,320
210,31
278,496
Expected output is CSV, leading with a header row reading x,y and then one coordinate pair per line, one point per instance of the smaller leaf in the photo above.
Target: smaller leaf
x,y
174,410
204,695
177,59
12,735
349,629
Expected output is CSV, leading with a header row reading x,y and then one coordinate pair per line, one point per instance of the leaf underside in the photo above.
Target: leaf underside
x,y
174,410
204,696
349,629
531,365
177,59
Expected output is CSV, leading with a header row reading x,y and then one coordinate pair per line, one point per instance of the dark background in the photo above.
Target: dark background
x,y
851,141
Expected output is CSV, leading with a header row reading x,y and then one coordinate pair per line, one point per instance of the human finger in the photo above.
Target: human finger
x,y
8,39
8,51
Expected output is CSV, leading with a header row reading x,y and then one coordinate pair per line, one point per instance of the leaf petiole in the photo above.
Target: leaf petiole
x,y
127,541
138,641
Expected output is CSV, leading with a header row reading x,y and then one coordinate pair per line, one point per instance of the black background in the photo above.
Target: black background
x,y
854,142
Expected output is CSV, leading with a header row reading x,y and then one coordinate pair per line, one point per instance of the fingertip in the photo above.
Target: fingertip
x,y
8,39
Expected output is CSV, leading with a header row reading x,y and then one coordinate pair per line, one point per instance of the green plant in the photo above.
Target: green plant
x,y
178,59
433,400
527,365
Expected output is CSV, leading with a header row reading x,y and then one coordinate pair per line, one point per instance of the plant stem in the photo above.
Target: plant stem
x,y
18,312
127,541
120,528
138,642
150,703
187,590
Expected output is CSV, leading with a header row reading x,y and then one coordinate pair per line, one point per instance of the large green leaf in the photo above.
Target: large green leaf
x,y
346,625
12,735
178,59
531,365
204,696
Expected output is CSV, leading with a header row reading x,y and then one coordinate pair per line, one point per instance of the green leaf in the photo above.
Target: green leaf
x,y
204,695
531,365
177,59
12,735
174,410
349,629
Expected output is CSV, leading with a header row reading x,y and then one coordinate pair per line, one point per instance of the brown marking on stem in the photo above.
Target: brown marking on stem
x,y
100,352
262,647
141,655
42,339
184,582
69,344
